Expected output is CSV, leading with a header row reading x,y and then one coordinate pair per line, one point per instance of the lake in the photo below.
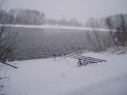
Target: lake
x,y
33,43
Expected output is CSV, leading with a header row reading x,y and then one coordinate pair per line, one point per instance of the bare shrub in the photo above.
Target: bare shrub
x,y
7,34
121,32
94,37
119,35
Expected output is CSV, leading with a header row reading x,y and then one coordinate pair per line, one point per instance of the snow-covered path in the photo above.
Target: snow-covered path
x,y
63,77
113,86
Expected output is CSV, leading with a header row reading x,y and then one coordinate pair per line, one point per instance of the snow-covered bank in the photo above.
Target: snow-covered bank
x,y
113,86
63,77
58,27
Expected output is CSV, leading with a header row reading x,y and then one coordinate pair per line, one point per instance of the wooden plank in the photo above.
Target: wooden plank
x,y
94,58
94,61
84,59
80,56
89,58
9,64
76,56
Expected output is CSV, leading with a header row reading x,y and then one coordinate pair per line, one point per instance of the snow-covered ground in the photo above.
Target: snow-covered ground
x,y
64,77
58,27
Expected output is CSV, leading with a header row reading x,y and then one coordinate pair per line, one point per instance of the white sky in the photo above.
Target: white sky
x,y
79,9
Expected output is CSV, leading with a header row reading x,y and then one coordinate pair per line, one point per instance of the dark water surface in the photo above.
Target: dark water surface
x,y
34,42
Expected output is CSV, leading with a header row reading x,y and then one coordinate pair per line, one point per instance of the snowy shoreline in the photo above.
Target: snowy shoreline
x,y
58,27
64,77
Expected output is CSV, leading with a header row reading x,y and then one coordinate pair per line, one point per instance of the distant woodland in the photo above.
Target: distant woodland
x,y
34,17
115,20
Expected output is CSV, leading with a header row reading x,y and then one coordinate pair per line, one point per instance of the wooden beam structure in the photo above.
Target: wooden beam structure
x,y
8,64
86,60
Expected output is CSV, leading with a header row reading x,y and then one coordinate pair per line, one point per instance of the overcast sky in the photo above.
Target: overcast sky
x,y
79,9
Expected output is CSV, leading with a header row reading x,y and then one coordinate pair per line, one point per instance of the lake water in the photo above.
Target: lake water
x,y
34,42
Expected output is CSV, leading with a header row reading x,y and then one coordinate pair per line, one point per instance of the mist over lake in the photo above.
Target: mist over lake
x,y
33,43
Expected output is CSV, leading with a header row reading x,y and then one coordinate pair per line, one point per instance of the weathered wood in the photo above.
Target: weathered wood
x,y
88,58
9,64
80,56
85,59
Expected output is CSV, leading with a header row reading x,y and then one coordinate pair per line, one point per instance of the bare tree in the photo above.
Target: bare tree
x,y
119,37
111,34
91,42
116,37
94,39
122,32
7,34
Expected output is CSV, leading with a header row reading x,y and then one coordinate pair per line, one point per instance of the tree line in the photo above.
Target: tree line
x,y
63,22
34,17
115,20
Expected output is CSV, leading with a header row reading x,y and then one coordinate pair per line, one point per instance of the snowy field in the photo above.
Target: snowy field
x,y
64,77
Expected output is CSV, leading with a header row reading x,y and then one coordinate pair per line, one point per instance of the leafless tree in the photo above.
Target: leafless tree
x,y
121,32
7,34
111,34
93,37
119,37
